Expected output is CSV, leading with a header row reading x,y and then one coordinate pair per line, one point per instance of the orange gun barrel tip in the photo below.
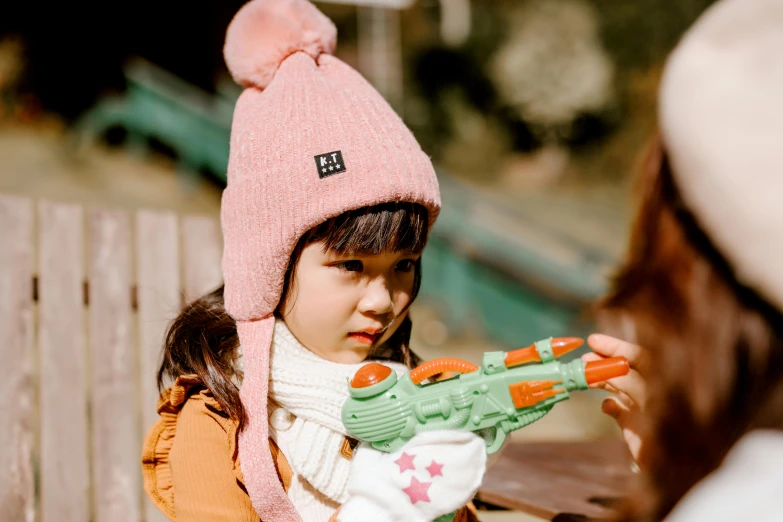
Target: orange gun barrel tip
x,y
605,369
563,345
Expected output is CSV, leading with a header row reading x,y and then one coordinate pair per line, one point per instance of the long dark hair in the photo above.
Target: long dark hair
x,y
716,346
203,339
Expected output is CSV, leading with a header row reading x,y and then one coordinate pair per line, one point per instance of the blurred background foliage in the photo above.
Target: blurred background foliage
x,y
534,111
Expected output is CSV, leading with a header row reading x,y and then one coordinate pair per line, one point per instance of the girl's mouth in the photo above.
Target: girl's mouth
x,y
364,337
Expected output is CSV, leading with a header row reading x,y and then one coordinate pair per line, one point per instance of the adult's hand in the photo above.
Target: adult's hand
x,y
629,392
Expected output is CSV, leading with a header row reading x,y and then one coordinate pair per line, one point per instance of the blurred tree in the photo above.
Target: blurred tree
x,y
641,33
11,69
552,68
75,50
581,74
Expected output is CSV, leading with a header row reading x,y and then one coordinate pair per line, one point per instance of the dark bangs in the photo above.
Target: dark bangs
x,y
389,227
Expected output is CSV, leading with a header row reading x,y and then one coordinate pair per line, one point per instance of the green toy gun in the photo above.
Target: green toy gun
x,y
509,391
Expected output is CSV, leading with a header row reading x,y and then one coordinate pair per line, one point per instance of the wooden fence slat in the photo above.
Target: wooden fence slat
x,y
64,445
157,251
201,252
116,447
17,495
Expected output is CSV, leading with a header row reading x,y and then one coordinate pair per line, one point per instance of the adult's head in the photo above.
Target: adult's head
x,y
703,283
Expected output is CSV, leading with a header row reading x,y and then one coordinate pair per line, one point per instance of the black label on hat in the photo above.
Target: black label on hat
x,y
329,163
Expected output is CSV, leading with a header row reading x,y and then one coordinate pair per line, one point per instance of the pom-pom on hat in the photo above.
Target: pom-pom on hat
x,y
310,140
721,117
263,34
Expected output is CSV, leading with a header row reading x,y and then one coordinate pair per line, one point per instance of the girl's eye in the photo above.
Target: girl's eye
x,y
406,265
351,266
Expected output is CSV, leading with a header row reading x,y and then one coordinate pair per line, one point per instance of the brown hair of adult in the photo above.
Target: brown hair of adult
x,y
203,339
715,346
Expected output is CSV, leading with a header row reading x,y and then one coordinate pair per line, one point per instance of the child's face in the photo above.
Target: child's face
x,y
341,306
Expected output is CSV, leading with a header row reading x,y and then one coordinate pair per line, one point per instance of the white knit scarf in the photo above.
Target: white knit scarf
x,y
313,390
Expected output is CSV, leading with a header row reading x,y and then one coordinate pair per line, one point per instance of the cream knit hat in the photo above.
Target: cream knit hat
x,y
721,117
310,140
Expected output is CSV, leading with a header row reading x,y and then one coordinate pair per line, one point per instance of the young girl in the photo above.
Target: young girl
x,y
328,207
703,284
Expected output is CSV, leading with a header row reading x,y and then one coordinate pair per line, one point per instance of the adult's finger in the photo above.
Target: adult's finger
x,y
621,395
633,385
608,346
628,421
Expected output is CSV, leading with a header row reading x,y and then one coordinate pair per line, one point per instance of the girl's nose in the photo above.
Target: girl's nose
x,y
377,298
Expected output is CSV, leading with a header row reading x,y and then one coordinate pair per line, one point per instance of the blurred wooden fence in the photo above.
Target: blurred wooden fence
x,y
85,298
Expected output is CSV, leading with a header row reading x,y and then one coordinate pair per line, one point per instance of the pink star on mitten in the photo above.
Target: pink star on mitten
x,y
417,491
405,462
435,469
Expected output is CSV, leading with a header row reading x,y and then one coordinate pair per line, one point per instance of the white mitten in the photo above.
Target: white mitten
x,y
434,474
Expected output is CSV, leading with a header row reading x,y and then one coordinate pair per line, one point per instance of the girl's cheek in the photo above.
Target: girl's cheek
x,y
330,279
402,299
337,290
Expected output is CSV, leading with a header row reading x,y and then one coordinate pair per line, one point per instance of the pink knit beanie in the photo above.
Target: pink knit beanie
x,y
310,140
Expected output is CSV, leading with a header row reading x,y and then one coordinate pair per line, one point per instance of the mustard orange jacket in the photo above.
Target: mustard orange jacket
x,y
190,460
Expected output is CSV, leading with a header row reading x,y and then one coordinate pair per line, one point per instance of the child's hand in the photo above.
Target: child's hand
x,y
627,404
434,474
